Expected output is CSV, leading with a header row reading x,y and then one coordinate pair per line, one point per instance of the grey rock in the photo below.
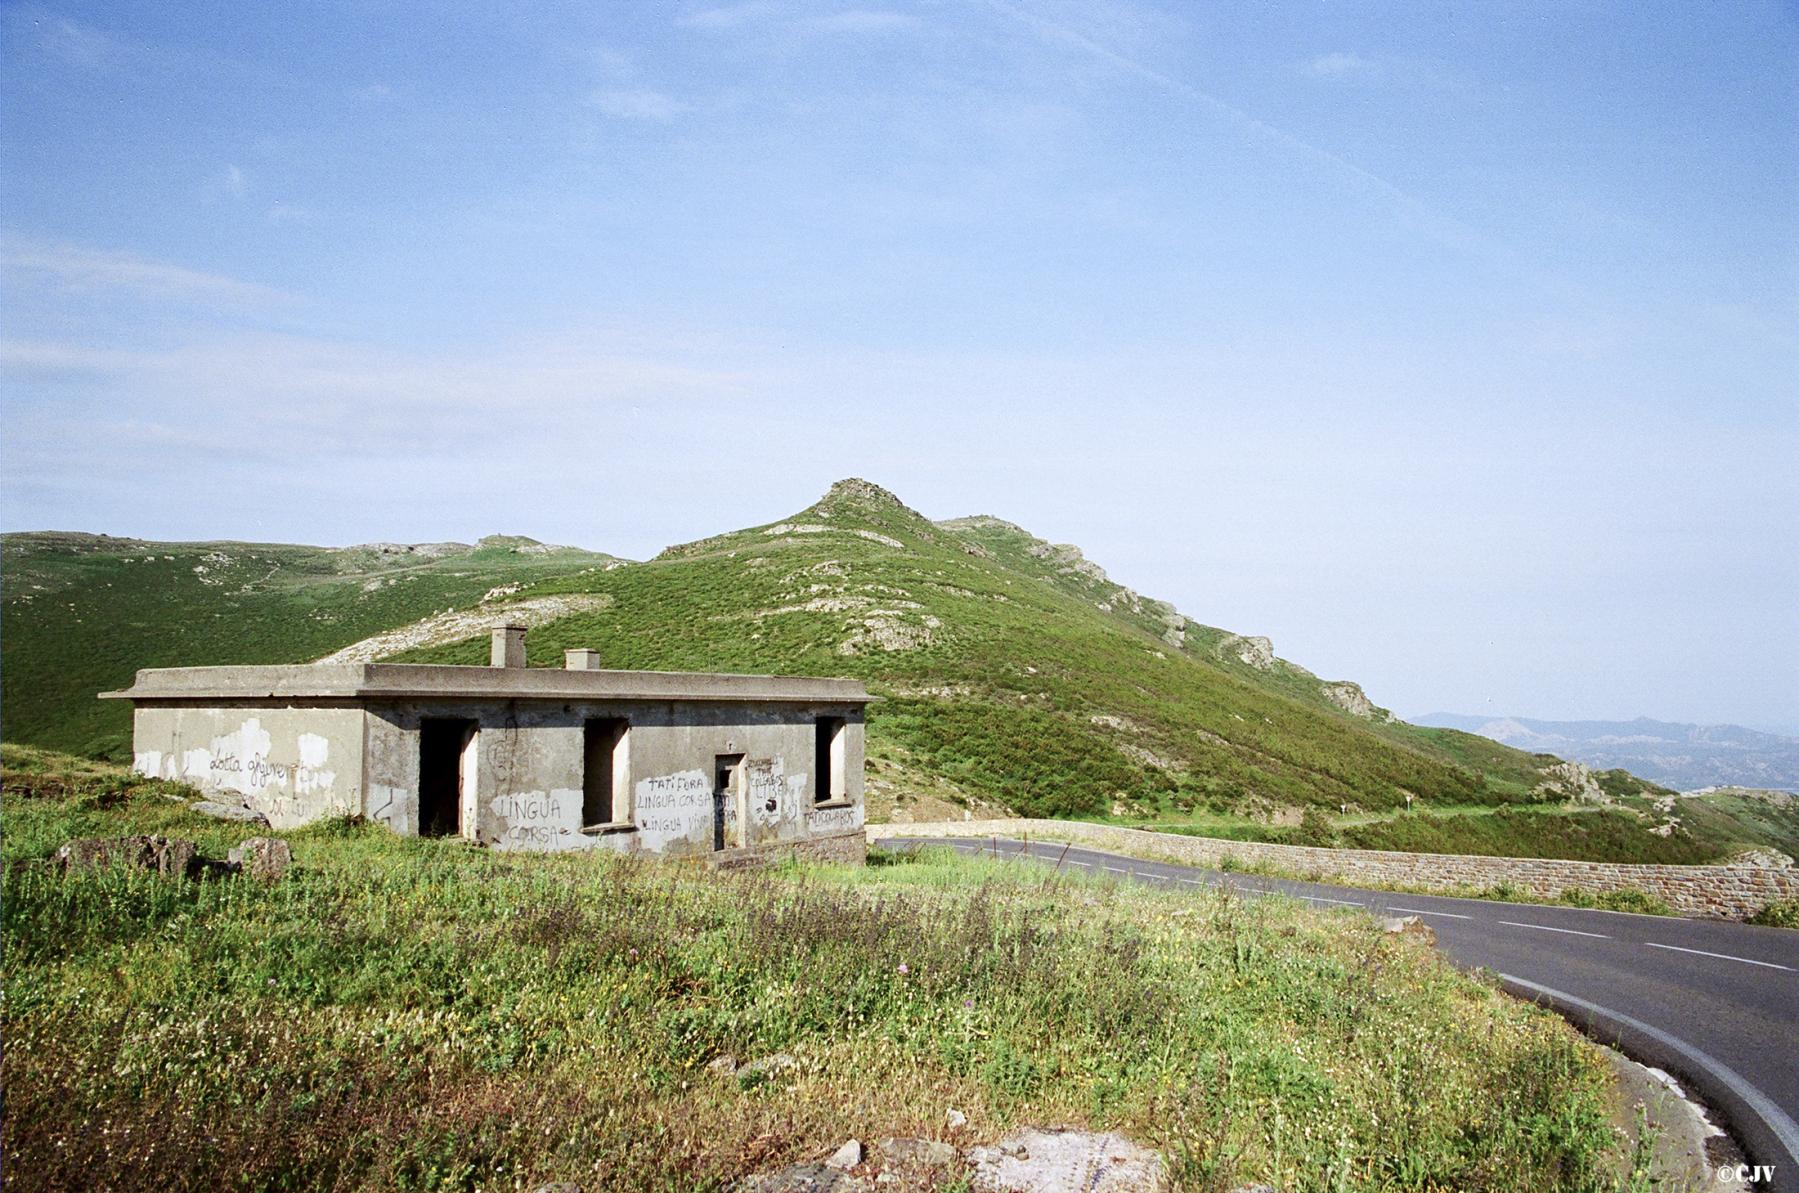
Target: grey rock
x,y
235,812
1033,1161
956,1119
558,1187
1408,926
807,1178
722,1066
766,1068
165,855
267,858
847,1156
917,1153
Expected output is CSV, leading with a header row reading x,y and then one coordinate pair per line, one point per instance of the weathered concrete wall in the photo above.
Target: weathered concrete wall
x,y
530,762
1702,892
293,765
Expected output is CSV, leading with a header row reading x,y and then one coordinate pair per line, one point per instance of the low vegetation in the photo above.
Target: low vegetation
x,y
1781,913
418,1014
1552,831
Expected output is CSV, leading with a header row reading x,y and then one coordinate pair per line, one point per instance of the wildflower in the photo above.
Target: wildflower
x,y
903,970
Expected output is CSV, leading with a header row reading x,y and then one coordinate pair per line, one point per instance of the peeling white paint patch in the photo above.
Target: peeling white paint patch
x,y
548,821
673,808
314,750
148,764
311,776
197,765
392,806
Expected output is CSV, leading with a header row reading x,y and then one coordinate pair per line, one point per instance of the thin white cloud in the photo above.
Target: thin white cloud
x,y
80,44
228,182
307,397
638,104
78,268
287,214
862,21
373,92
1428,221
729,16
1339,66
852,22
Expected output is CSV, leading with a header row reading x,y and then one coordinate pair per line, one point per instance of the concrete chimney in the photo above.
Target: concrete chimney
x,y
509,646
581,660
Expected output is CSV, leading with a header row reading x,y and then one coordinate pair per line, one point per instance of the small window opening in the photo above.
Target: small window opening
x,y
827,763
605,771
446,774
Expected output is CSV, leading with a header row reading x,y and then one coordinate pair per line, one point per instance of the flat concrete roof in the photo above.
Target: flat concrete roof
x,y
398,681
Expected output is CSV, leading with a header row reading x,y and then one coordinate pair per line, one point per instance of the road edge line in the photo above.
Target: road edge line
x,y
1766,1132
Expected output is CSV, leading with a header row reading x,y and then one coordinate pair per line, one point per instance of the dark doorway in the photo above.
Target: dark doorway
x,y
603,771
445,758
827,761
727,771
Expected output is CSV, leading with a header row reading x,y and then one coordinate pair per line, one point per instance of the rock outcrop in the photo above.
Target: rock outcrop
x,y
1348,696
169,856
1251,651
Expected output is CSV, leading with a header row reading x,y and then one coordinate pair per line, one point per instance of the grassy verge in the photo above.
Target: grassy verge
x,y
1548,831
1629,899
423,1015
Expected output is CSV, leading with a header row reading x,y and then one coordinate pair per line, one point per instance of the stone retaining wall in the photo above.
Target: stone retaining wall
x,y
1701,892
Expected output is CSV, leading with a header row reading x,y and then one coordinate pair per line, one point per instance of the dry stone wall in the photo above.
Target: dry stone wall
x,y
1701,892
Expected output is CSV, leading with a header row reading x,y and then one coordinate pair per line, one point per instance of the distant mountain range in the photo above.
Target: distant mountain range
x,y
1686,757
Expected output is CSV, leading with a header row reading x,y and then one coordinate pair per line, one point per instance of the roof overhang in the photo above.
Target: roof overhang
x,y
362,682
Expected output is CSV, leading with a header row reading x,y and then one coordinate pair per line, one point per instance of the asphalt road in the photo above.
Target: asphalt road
x,y
1714,1003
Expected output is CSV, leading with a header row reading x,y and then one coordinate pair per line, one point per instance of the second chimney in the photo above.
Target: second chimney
x,y
509,646
581,660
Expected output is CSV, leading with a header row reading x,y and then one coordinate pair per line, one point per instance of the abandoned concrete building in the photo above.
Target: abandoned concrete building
x,y
659,762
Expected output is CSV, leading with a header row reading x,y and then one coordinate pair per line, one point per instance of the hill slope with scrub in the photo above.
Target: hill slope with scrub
x,y
1013,674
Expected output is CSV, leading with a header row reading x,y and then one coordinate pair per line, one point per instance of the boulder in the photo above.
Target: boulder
x,y
165,855
766,1068
267,858
1033,1161
807,1178
1408,927
916,1153
847,1156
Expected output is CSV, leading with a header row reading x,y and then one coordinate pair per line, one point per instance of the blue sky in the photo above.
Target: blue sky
x,y
1453,347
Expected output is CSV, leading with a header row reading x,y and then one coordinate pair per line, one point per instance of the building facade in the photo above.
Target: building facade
x,y
670,763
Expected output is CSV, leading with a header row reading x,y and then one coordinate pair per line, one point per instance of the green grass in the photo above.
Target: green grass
x,y
1555,831
418,1014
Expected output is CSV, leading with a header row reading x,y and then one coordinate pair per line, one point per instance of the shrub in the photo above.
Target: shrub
x,y
1781,913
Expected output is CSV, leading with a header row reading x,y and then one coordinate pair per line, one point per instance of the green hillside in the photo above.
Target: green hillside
x,y
1013,674
83,612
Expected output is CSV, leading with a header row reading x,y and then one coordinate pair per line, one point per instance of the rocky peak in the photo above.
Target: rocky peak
x,y
856,491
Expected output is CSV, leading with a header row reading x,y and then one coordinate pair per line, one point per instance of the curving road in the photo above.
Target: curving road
x,y
1715,1003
